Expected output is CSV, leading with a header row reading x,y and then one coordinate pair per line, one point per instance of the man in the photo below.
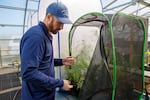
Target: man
x,y
36,53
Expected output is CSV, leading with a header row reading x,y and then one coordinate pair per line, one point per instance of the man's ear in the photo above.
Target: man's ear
x,y
49,17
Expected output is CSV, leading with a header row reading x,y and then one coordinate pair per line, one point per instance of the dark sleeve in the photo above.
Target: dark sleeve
x,y
31,55
58,62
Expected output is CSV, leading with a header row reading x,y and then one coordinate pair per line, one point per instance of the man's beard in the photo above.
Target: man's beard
x,y
54,31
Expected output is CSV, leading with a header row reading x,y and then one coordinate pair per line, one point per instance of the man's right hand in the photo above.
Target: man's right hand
x,y
67,85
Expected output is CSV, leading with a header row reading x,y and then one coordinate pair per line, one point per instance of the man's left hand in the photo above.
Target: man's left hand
x,y
68,61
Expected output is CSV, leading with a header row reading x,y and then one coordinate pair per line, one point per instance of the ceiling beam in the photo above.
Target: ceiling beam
x,y
12,25
15,8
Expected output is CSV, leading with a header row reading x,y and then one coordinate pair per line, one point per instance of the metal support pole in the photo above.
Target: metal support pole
x,y
128,3
25,11
109,4
1,63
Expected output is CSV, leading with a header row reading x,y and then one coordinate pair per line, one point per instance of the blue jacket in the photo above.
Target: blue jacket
x,y
37,65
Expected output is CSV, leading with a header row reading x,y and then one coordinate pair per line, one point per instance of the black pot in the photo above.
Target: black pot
x,y
74,91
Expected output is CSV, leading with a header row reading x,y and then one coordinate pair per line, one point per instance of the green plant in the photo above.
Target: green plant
x,y
76,73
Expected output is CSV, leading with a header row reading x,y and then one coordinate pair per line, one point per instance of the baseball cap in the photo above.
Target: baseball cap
x,y
60,11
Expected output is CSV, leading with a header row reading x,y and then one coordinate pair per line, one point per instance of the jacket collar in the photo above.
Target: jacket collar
x,y
45,30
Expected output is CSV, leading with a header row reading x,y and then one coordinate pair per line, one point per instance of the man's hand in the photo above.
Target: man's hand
x,y
69,61
67,85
